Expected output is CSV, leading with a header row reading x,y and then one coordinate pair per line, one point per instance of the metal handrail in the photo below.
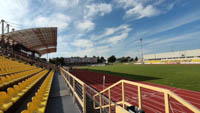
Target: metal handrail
x,y
167,93
82,101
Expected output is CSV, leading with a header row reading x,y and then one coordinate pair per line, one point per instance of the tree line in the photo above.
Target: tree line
x,y
111,59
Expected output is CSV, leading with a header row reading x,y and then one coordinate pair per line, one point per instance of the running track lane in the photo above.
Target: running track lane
x,y
152,101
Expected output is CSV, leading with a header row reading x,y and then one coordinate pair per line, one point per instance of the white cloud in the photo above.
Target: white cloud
x,y
97,9
116,39
109,31
169,25
127,3
140,11
85,25
83,43
179,38
55,20
13,10
112,30
92,51
65,3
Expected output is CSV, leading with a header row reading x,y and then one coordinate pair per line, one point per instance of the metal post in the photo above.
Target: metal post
x,y
100,99
84,98
166,96
2,21
74,91
8,26
123,94
94,102
142,51
104,78
47,57
139,97
109,96
103,89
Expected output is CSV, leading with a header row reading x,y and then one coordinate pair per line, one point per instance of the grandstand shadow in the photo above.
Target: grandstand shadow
x,y
125,75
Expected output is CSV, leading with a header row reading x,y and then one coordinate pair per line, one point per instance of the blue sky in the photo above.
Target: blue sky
x,y
110,27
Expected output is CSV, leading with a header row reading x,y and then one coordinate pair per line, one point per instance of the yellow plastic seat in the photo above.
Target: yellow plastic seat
x,y
25,111
34,108
5,101
39,101
13,94
19,92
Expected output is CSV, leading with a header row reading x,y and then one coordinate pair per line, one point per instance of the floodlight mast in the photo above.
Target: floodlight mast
x,y
142,54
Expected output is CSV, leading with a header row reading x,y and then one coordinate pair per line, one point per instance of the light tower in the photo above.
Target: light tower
x,y
142,58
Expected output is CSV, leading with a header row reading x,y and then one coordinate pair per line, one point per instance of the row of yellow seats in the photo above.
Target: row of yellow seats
x,y
6,61
11,64
13,94
39,101
8,67
195,60
154,61
14,65
6,80
14,70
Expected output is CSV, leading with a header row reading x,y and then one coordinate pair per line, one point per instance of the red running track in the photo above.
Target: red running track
x,y
152,101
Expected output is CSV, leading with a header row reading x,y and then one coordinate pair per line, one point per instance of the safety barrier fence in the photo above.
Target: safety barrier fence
x,y
77,87
97,98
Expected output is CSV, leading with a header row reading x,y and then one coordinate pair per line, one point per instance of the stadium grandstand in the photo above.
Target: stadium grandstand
x,y
178,57
29,84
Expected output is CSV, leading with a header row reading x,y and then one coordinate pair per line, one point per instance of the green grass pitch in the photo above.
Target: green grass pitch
x,y
179,76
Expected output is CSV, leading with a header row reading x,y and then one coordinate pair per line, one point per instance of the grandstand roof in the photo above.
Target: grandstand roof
x,y
42,40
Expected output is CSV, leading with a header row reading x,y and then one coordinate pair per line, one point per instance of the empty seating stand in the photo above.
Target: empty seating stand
x,y
9,66
12,78
39,101
7,99
18,80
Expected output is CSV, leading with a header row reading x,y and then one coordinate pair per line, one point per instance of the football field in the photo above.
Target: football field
x,y
179,76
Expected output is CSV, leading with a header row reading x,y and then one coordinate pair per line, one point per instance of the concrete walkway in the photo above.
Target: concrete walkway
x,y
60,100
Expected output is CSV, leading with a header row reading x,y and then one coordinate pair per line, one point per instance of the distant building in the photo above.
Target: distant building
x,y
81,60
174,55
178,57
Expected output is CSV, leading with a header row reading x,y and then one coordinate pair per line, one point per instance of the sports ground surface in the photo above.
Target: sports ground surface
x,y
152,101
179,76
